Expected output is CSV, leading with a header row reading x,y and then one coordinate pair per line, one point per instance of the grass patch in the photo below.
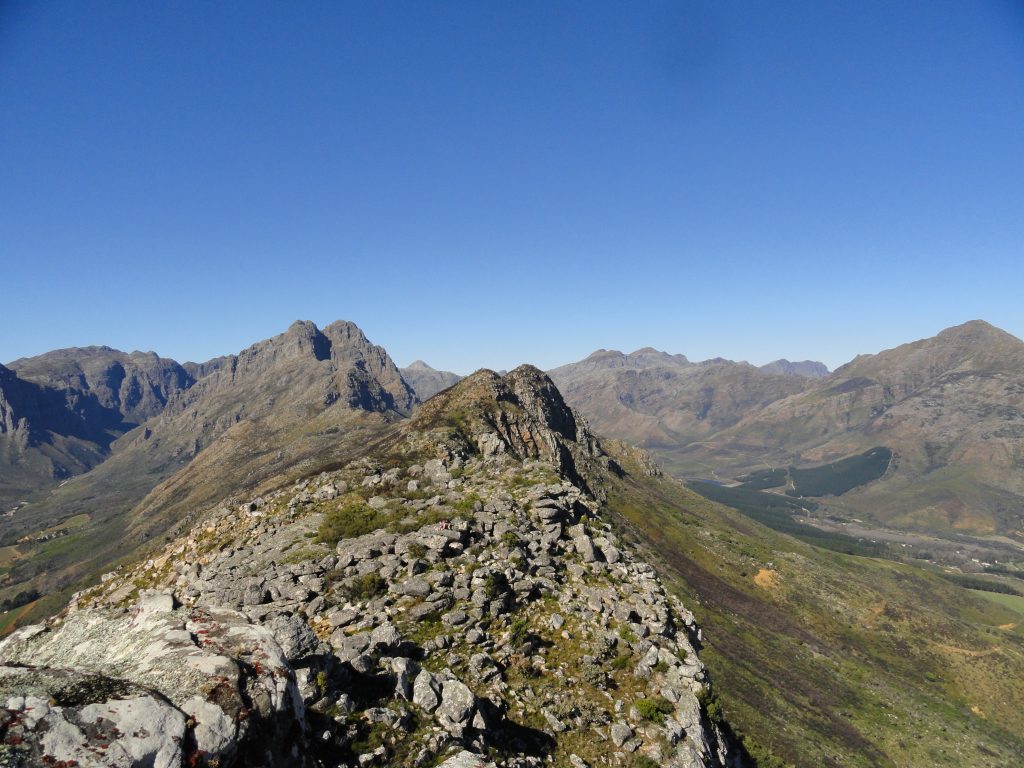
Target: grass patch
x,y
348,521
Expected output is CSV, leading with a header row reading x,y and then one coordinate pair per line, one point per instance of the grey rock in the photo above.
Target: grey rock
x,y
426,691
457,703
294,636
386,637
620,733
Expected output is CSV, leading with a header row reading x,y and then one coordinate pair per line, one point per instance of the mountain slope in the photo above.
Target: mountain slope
x,y
61,412
825,659
665,402
426,381
277,404
951,408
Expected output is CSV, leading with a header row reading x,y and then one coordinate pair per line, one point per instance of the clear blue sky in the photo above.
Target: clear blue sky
x,y
481,183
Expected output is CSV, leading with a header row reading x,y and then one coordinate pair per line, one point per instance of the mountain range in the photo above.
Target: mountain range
x,y
949,408
111,460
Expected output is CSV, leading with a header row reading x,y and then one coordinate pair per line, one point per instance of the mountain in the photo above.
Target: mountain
x,y
663,401
822,658
280,403
810,369
451,596
61,412
950,408
375,583
426,381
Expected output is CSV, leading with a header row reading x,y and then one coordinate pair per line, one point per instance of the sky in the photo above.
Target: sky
x,y
480,184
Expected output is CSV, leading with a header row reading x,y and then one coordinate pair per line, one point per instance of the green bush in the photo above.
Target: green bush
x,y
467,502
352,519
417,550
519,632
654,708
365,587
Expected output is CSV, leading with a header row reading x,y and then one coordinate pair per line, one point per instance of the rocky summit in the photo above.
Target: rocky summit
x,y
456,595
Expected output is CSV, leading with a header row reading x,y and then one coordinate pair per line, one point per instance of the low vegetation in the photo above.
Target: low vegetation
x,y
776,512
835,660
841,476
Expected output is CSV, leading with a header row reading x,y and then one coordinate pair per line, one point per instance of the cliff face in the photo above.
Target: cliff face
x,y
127,387
454,592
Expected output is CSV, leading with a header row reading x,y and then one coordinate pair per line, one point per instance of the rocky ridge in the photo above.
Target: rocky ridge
x,y
454,595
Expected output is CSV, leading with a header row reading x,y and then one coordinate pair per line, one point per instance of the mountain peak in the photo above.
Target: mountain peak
x,y
521,414
603,354
650,355
977,331
419,365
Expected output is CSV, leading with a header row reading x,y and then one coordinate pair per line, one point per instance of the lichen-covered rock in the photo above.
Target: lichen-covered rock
x,y
225,677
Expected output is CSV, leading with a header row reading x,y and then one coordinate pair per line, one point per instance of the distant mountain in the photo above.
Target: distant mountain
x,y
951,407
61,412
658,400
426,381
810,369
295,399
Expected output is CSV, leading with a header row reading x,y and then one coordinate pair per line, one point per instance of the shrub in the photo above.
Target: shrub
x,y
417,550
365,587
712,708
349,520
654,708
466,503
519,632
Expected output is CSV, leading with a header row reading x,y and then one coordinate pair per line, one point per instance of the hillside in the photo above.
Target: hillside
x,y
826,659
951,408
277,405
665,402
450,597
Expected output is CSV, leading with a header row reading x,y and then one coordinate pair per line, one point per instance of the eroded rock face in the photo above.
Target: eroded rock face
x,y
155,685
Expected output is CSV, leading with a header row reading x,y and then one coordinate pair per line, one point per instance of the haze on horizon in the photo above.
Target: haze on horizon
x,y
482,185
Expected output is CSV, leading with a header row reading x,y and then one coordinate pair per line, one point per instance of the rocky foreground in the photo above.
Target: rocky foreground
x,y
454,597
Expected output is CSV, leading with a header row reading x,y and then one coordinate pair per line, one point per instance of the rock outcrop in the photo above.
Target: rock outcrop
x,y
456,593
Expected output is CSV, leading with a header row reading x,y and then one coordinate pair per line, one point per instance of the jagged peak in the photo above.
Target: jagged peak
x,y
521,413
